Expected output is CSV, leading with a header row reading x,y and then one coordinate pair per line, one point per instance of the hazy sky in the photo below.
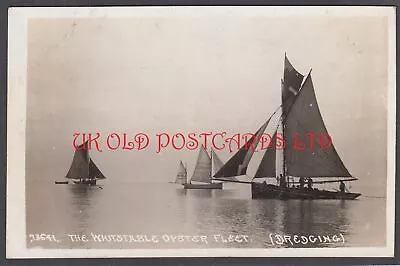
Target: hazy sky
x,y
202,74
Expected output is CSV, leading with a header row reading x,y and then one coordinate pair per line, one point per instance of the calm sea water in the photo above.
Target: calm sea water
x,y
163,212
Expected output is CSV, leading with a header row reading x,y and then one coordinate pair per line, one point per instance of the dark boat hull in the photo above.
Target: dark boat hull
x,y
267,191
203,186
61,182
85,182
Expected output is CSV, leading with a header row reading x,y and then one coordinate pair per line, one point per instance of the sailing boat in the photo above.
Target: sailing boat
x,y
299,115
181,176
203,171
83,170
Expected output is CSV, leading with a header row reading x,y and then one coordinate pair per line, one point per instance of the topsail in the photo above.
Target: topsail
x,y
291,83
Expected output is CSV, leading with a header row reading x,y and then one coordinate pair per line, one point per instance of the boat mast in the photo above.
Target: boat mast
x,y
185,172
211,168
283,150
283,126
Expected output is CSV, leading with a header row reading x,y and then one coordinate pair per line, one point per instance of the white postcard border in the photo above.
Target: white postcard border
x,y
16,122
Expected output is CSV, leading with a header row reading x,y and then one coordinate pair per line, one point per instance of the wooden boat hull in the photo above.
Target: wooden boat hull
x,y
203,186
267,191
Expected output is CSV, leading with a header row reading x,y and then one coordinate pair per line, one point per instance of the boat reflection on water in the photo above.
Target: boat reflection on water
x,y
180,192
83,200
201,193
315,220
225,217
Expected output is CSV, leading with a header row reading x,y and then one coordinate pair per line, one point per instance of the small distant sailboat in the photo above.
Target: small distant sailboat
x,y
181,176
83,170
202,172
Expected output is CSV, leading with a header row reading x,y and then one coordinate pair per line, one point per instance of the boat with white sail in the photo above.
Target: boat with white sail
x,y
202,174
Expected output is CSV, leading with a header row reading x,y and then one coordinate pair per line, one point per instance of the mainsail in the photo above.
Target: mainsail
x,y
181,177
304,117
239,162
82,166
202,171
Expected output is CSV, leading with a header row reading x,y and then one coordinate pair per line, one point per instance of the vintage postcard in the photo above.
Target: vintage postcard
x,y
201,132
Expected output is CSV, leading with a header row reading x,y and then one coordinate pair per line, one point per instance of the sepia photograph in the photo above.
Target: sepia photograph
x,y
201,131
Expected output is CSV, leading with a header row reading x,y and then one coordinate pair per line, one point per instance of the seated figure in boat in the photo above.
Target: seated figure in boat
x,y
282,181
302,182
86,181
309,183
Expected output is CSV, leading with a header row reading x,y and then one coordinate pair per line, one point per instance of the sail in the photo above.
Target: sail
x,y
202,171
267,167
181,176
216,161
217,164
80,164
94,172
237,165
304,117
290,85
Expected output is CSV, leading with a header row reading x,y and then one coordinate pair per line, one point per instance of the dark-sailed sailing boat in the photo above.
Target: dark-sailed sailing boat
x,y
203,171
299,116
83,170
